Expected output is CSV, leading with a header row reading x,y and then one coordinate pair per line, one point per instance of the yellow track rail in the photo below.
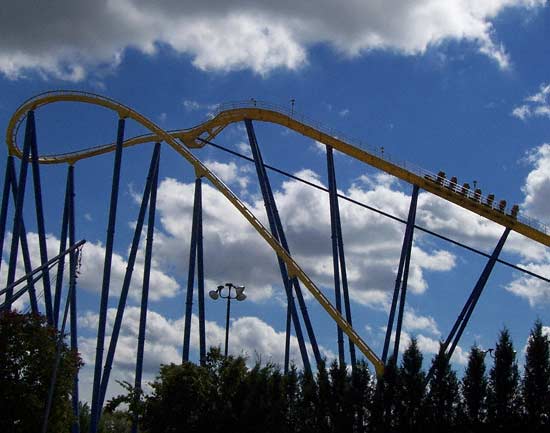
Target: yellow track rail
x,y
158,134
530,228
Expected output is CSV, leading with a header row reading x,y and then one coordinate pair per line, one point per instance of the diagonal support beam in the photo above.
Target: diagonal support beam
x,y
405,253
62,247
339,258
191,271
145,294
153,167
73,259
278,233
24,246
464,316
41,227
96,408
19,200
410,222
478,289
5,201
200,280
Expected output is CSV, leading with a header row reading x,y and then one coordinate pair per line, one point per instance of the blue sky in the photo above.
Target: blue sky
x,y
460,86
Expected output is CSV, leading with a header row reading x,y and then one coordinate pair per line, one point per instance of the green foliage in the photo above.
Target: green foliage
x,y
536,381
410,390
442,399
27,355
474,390
226,395
504,397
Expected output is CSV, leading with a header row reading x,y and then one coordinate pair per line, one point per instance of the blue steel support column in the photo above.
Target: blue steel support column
x,y
343,269
282,237
96,408
24,246
55,368
478,289
145,290
200,279
191,273
334,241
411,220
5,202
464,316
17,217
345,288
396,290
127,278
287,339
75,427
41,229
273,227
62,247
294,281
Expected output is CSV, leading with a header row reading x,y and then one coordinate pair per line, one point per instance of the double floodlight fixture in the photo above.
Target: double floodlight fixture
x,y
239,292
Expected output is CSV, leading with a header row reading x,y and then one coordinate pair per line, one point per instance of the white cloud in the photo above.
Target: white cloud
x,y
372,243
191,105
429,347
534,290
537,105
521,112
244,148
536,189
67,38
248,336
414,322
229,173
537,183
91,271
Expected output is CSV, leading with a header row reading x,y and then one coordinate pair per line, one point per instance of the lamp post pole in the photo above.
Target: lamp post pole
x,y
227,321
239,296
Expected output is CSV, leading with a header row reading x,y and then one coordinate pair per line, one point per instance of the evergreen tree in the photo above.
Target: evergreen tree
x,y
536,381
443,398
361,396
322,416
341,408
504,397
411,389
474,390
383,412
292,396
307,405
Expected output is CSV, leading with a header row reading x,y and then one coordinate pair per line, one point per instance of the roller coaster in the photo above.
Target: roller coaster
x,y
183,142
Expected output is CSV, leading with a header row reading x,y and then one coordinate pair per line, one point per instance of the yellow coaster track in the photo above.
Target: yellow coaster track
x,y
253,110
236,112
158,134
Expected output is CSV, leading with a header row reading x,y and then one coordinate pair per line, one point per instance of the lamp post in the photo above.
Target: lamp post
x,y
239,296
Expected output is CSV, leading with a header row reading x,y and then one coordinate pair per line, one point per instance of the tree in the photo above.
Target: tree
x,y
180,400
307,407
536,380
341,404
442,400
474,390
323,406
382,416
28,348
411,389
504,397
362,394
